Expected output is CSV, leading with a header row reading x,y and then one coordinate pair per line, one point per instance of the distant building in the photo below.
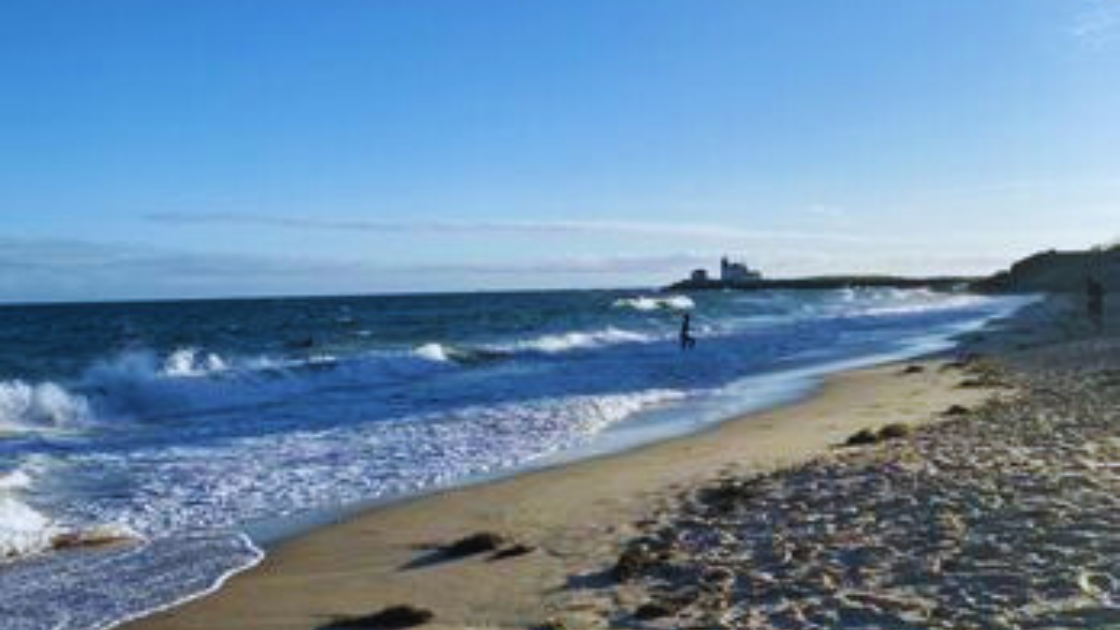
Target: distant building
x,y
736,272
730,273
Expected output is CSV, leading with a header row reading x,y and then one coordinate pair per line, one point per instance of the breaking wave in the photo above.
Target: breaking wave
x,y
23,530
465,355
26,407
190,488
433,352
646,303
26,531
564,342
190,362
184,508
141,386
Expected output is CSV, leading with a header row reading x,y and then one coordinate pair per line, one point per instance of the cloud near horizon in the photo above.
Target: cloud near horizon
x,y
59,269
33,270
699,231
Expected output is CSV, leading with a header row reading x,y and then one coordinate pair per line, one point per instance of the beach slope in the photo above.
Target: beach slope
x,y
574,518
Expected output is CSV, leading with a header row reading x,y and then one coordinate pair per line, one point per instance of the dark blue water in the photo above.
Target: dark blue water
x,y
185,425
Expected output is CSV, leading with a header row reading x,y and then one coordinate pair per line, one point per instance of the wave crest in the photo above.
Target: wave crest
x,y
23,530
564,342
191,362
433,352
647,303
47,406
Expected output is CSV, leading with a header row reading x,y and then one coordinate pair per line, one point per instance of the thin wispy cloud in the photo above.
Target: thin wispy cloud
x,y
828,212
62,257
675,263
54,269
701,231
1098,23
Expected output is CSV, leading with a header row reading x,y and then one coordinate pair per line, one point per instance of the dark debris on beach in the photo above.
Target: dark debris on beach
x,y
391,618
1001,517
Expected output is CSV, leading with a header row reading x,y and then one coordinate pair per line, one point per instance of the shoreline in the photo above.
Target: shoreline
x,y
251,481
782,389
1000,516
575,514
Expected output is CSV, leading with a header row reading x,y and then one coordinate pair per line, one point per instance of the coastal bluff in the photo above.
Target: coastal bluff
x,y
1046,272
1057,272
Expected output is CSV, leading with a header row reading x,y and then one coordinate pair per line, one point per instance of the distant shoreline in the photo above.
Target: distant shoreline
x,y
827,283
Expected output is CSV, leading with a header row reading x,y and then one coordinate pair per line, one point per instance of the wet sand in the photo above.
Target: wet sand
x,y
576,518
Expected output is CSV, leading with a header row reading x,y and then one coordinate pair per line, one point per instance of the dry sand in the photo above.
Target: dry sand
x,y
577,517
1003,517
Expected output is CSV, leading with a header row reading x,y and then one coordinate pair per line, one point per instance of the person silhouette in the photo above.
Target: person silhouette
x,y
688,342
1094,305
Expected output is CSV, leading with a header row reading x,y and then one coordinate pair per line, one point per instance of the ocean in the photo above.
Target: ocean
x,y
203,430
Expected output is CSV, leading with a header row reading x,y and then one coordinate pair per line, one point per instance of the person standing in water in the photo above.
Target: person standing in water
x,y
1095,302
688,342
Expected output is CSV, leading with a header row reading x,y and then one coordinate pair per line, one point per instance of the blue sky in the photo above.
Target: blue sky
x,y
196,148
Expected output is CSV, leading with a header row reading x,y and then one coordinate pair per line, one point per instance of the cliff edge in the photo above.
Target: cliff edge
x,y
1057,272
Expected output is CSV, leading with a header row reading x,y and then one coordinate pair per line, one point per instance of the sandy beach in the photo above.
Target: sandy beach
x,y
613,541
576,517
560,316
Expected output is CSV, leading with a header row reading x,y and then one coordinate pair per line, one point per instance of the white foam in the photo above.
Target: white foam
x,y
141,386
26,531
23,530
192,362
564,342
45,406
115,584
784,306
15,480
918,302
646,303
203,487
432,352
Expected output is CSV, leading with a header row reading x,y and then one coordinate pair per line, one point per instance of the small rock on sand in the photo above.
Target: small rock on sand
x,y
481,542
862,437
894,431
391,618
652,610
92,538
513,551
635,560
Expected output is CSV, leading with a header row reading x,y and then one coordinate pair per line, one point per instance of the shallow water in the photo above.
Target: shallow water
x,y
185,425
